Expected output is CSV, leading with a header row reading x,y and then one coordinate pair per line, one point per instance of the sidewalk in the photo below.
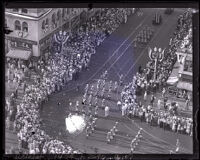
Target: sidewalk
x,y
181,110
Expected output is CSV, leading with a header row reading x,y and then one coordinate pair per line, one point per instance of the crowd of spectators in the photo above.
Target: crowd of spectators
x,y
52,73
143,83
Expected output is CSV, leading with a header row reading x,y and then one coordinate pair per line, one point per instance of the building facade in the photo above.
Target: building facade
x,y
33,28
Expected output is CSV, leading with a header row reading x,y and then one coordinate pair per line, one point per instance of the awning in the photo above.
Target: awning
x,y
19,54
174,75
172,80
184,85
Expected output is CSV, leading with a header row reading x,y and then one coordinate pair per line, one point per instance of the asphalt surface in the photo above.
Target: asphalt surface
x,y
117,55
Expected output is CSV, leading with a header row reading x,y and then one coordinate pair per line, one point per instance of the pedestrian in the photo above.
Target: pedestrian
x,y
95,101
103,103
77,106
109,93
177,146
152,100
119,104
87,131
96,110
115,86
108,137
70,104
86,88
115,129
187,105
90,99
121,80
90,109
96,92
107,111
92,89
159,104
124,108
145,96
102,93
84,99
163,92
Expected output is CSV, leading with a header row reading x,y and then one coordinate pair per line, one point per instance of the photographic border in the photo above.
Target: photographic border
x,y
107,4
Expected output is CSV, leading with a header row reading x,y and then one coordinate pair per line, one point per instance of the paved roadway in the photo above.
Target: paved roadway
x,y
117,55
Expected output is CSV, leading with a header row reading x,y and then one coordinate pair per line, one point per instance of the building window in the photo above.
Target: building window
x,y
58,15
15,10
24,27
43,24
17,25
24,10
47,23
63,13
53,19
6,23
67,11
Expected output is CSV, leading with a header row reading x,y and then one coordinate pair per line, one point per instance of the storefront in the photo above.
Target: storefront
x,y
19,54
174,76
179,83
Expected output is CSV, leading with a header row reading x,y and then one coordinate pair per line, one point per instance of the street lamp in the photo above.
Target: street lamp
x,y
61,38
156,55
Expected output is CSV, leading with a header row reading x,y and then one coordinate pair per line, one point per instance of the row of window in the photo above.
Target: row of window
x,y
23,27
23,10
17,44
56,17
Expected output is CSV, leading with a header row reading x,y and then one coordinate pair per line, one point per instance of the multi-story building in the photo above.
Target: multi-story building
x,y
185,74
181,76
185,71
33,28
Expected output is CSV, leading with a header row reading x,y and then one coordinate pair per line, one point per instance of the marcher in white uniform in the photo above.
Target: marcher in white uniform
x,y
115,86
107,111
96,101
90,99
108,137
177,145
145,96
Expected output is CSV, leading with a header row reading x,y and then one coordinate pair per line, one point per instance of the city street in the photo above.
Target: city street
x,y
118,56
